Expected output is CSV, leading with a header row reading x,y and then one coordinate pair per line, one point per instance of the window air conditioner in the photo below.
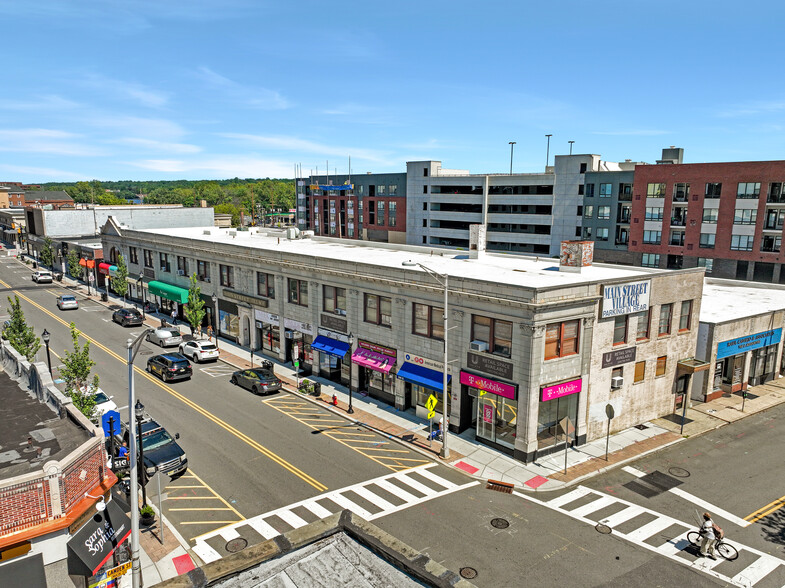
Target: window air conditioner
x,y
180,273
479,346
207,278
617,382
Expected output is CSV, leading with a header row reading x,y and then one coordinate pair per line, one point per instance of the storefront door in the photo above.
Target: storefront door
x,y
732,371
549,434
763,366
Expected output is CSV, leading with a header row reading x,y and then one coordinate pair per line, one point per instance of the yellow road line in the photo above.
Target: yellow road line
x,y
220,422
384,449
766,510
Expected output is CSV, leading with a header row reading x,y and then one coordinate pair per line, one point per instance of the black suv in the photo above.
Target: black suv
x,y
128,317
161,451
170,366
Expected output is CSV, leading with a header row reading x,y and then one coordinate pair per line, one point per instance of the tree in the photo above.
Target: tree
x,y
119,282
76,374
19,334
194,308
47,252
74,268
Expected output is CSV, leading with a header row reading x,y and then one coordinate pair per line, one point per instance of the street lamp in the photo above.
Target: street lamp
x,y
350,410
139,411
512,146
548,152
443,279
571,142
215,318
140,286
45,336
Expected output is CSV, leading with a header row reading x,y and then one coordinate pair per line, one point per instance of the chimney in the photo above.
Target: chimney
x,y
203,203
576,255
477,241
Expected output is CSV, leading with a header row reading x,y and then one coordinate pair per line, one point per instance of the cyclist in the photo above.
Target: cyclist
x,y
709,538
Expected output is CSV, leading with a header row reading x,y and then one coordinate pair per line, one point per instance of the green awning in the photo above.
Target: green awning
x,y
168,291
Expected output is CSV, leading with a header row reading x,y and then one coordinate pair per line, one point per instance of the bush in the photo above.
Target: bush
x,y
147,511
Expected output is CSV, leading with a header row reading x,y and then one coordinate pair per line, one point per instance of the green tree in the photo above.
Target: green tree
x,y
194,308
47,252
74,268
119,282
229,208
19,334
76,373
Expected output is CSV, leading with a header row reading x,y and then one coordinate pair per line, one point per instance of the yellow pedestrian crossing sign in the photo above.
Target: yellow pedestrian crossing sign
x,y
431,414
430,404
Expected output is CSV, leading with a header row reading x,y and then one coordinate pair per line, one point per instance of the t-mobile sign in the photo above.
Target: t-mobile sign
x,y
563,389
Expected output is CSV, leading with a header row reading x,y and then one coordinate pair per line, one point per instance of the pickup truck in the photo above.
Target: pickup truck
x,y
161,451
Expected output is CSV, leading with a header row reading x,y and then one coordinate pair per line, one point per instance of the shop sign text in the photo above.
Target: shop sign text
x,y
748,343
487,385
625,298
563,389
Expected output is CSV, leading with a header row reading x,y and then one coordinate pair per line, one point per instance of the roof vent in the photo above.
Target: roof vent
x,y
207,232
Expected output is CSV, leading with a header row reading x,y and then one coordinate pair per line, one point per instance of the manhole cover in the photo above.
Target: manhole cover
x,y
679,472
236,545
500,523
468,573
641,427
604,529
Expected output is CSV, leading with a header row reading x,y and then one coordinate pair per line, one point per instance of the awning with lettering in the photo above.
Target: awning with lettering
x,y
168,291
94,543
422,376
103,268
375,361
330,346
24,571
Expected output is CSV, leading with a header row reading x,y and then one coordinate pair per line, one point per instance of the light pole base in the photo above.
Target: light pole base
x,y
444,453
350,410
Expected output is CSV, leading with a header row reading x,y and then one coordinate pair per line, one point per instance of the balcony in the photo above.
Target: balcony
x,y
678,221
677,240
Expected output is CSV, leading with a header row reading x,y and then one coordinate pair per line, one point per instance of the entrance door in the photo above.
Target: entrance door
x,y
549,433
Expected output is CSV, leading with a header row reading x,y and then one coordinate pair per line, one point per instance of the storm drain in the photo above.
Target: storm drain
x,y
604,529
500,523
236,544
679,472
468,573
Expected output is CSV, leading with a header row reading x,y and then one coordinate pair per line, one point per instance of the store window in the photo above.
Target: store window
x,y
684,317
644,320
662,364
298,292
496,334
620,329
497,419
265,285
378,310
640,371
227,275
666,313
334,300
550,414
561,339
428,321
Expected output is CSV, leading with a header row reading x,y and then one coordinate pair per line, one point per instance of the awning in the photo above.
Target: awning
x,y
133,278
103,268
24,571
113,271
94,543
168,291
375,361
330,346
422,376
87,263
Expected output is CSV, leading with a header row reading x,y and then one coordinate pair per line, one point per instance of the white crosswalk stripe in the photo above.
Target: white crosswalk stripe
x,y
761,566
404,486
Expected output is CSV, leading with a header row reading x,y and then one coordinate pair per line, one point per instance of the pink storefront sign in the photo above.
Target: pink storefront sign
x,y
492,386
487,413
563,389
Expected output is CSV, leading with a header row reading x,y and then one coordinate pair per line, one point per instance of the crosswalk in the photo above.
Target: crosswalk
x,y
664,535
371,500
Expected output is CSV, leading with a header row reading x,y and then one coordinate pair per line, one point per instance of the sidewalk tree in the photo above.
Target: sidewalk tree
x,y
119,281
74,269
47,252
194,309
19,334
75,371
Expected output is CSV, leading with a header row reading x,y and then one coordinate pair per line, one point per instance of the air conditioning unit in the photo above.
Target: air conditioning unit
x,y
479,346
617,382
207,279
180,273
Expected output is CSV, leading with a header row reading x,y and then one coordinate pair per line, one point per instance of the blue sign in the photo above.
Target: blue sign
x,y
115,422
748,343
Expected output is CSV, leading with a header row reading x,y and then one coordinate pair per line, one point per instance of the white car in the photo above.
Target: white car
x,y
167,337
199,351
42,277
103,402
67,302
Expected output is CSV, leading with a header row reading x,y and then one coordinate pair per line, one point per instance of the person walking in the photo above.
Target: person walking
x,y
709,537
209,332
174,316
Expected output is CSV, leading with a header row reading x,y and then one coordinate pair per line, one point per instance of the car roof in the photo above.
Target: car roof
x,y
174,356
67,296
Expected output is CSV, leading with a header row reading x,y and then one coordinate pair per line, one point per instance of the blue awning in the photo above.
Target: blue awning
x,y
422,376
330,346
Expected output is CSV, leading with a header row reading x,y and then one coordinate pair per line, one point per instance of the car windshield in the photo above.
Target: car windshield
x,y
155,440
168,333
264,375
67,298
100,398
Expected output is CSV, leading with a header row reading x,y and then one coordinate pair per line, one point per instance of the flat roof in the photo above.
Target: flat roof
x,y
729,300
512,269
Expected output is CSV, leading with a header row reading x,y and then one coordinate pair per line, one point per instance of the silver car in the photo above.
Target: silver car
x,y
165,337
67,302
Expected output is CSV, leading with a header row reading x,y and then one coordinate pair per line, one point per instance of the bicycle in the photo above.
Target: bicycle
x,y
726,550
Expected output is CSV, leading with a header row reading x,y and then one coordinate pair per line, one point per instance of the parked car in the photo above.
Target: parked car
x,y
170,367
258,380
167,337
67,302
161,451
103,403
42,277
128,317
199,351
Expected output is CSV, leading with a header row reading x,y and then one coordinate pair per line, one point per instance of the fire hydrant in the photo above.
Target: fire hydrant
x,y
335,400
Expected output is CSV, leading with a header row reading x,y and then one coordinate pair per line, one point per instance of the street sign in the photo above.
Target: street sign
x,y
115,429
567,427
91,278
118,571
431,414
430,404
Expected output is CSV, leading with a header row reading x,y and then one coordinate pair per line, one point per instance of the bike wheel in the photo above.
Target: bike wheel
x,y
695,538
727,551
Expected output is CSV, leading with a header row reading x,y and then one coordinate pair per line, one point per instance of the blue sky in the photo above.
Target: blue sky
x,y
143,90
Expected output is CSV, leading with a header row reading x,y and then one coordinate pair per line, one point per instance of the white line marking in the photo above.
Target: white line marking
x,y
317,509
374,499
434,478
206,553
598,504
649,529
757,570
344,502
560,501
291,519
229,533
622,516
263,528
396,491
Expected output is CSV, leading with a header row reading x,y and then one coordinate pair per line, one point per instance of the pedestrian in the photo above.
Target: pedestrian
x,y
709,538
209,332
199,332
123,451
174,317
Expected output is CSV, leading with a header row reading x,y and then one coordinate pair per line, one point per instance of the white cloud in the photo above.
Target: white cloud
x,y
134,126
32,174
126,90
46,103
227,166
152,145
46,141
303,145
253,97
753,108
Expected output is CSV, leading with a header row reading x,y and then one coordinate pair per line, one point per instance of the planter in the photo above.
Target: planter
x,y
146,520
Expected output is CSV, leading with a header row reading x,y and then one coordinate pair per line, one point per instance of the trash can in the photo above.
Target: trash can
x,y
35,265
317,388
104,297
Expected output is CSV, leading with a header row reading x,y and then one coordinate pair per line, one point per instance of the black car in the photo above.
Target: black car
x,y
257,380
161,451
170,367
128,317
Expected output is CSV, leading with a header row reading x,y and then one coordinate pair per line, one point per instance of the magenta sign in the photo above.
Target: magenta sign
x,y
563,389
492,386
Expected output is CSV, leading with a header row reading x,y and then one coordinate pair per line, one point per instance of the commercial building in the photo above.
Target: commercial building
x,y
532,341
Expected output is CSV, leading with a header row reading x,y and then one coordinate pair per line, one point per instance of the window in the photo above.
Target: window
x,y
334,299
710,215
741,242
666,312
662,363
148,258
745,216
380,212
133,255
265,285
378,310
580,211
182,265
650,260
588,211
391,214
644,318
603,212
685,316
589,191
583,168
771,244
652,237
298,292
681,192
580,189
618,372
425,189
748,190
625,191
425,171
381,189
640,371
428,321
655,190
713,189
496,333
392,189
587,232
425,206
606,190
227,275
202,270
707,240
655,214
620,329
561,339
163,259
602,234
775,192
371,212
706,262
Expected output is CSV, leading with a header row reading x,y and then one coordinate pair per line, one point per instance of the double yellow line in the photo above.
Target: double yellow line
x,y
220,422
766,510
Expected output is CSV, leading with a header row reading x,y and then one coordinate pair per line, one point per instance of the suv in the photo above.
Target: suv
x,y
161,451
127,317
42,277
170,366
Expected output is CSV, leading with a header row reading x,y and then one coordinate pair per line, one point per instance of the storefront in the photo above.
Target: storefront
x,y
494,410
557,401
167,297
375,365
732,358
228,320
332,348
423,377
90,549
268,332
